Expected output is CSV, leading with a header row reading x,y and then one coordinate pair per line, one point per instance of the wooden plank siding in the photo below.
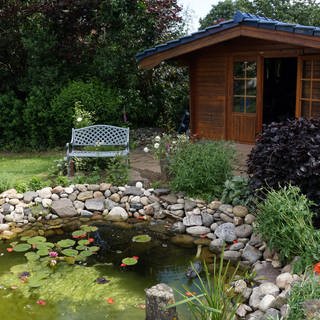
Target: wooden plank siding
x,y
208,96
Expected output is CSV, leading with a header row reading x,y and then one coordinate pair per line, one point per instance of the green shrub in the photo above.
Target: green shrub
x,y
201,169
236,192
307,289
94,98
284,220
36,183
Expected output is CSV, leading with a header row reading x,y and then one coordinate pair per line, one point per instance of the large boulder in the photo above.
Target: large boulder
x,y
94,204
226,232
63,208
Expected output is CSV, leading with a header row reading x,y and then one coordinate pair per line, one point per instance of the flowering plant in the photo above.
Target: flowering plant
x,y
82,117
164,146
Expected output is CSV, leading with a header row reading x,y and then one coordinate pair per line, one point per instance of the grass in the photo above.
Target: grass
x,y
21,167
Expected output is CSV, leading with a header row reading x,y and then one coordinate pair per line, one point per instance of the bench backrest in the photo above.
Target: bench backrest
x,y
103,135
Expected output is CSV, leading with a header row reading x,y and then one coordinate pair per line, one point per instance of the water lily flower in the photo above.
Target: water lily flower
x,y
146,149
79,119
41,302
316,268
157,138
156,145
110,301
190,294
91,240
9,249
53,263
53,254
135,257
123,265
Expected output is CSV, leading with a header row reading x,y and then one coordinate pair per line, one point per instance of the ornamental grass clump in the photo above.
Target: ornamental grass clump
x,y
201,169
284,220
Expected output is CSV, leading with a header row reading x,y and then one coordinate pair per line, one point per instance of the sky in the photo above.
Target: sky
x,y
198,8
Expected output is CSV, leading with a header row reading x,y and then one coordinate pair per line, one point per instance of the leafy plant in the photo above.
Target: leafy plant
x,y
201,169
4,184
287,152
216,299
292,233
141,238
236,192
305,290
35,183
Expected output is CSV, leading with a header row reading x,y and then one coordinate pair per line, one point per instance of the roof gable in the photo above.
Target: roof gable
x,y
239,19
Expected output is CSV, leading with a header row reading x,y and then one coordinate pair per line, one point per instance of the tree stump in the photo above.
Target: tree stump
x,y
158,298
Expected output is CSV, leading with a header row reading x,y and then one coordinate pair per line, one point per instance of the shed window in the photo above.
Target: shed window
x,y
244,86
310,87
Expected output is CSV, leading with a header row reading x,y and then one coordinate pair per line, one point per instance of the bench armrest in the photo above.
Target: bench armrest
x,y
68,147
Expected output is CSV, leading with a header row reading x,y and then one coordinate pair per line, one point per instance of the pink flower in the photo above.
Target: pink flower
x,y
53,254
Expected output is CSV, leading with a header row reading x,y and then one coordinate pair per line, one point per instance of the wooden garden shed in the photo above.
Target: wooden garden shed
x,y
244,73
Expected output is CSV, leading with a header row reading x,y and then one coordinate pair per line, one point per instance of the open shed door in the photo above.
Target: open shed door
x,y
244,99
308,87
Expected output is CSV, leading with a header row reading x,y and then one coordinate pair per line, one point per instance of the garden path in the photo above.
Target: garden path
x,y
144,167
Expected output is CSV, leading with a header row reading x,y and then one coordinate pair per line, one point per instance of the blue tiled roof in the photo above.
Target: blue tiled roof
x,y
240,18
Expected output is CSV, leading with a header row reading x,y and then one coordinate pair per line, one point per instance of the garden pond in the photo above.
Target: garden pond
x,y
102,287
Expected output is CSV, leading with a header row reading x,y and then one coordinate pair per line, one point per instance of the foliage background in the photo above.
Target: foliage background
x,y
54,54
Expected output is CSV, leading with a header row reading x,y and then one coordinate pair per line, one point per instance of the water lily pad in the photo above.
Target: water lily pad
x,y
32,256
141,238
35,283
94,248
81,248
70,252
22,247
36,239
70,260
83,242
25,238
66,243
129,261
79,233
44,245
43,252
86,254
88,228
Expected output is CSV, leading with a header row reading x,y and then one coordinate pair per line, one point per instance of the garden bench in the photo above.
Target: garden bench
x,y
97,136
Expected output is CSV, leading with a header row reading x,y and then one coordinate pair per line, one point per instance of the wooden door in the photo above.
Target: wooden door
x,y
308,87
244,96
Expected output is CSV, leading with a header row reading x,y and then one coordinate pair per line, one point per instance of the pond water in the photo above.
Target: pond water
x,y
73,293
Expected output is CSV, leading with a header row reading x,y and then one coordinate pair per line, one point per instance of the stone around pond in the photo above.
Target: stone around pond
x,y
45,193
226,232
197,230
133,191
192,220
94,204
232,256
29,196
251,254
216,245
85,195
178,227
183,240
170,198
63,208
312,309
244,231
240,211
117,214
161,192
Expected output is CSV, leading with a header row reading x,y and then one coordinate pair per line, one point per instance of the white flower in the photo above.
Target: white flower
x,y
156,145
79,119
157,138
174,142
146,149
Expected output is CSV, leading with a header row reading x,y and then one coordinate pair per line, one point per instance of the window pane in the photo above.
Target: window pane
x,y
307,69
306,89
251,69
251,87
316,89
238,104
250,105
238,70
238,87
315,110
305,109
316,69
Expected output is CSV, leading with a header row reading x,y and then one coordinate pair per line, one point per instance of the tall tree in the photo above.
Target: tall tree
x,y
305,12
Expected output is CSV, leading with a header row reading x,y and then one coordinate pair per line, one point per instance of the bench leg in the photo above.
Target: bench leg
x,y
70,167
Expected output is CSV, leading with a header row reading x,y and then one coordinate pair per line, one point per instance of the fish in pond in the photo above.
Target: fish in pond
x,y
104,247
196,267
102,280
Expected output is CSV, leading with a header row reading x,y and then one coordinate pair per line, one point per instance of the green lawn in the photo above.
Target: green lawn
x,y
22,167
